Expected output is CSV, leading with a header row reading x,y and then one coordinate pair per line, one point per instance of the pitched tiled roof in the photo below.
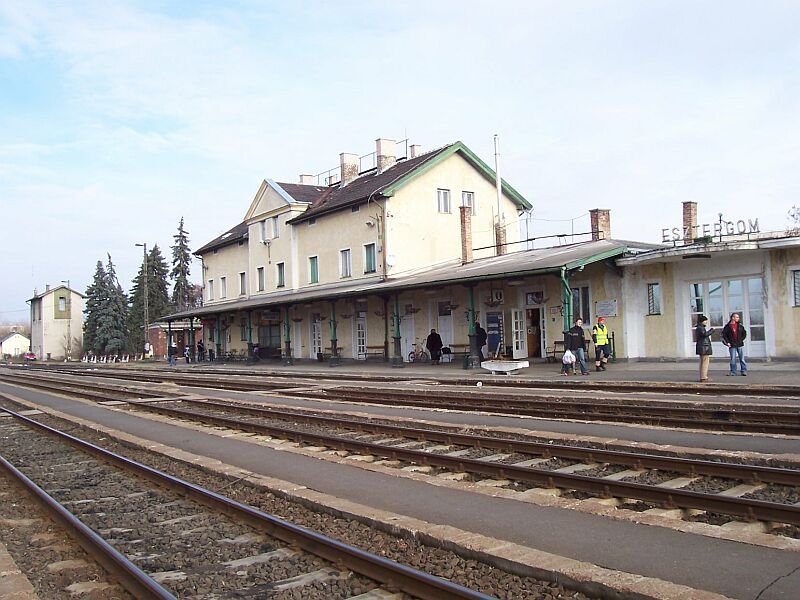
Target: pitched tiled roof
x,y
359,190
232,236
302,192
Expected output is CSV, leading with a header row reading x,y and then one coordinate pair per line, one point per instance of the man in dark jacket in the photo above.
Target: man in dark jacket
x,y
575,341
434,346
480,339
733,336
703,345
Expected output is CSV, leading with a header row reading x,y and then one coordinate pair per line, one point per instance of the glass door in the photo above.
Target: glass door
x,y
316,335
519,334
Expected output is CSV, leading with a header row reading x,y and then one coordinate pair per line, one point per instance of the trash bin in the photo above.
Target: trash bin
x,y
467,363
320,357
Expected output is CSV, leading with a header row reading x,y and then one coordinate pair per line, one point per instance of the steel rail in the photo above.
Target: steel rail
x,y
82,390
402,577
749,509
512,382
746,472
131,577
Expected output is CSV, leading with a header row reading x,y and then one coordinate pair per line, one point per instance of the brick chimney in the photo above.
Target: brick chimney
x,y
348,166
385,154
466,234
499,238
689,222
415,150
600,219
46,287
308,180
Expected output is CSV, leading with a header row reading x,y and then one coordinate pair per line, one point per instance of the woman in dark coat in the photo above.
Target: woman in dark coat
x,y
703,345
434,346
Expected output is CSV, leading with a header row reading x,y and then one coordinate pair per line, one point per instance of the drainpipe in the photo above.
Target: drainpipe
x,y
567,299
287,342
334,350
474,359
397,359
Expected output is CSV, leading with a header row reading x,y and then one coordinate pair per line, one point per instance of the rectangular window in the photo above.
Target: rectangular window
x,y
443,200
369,258
281,274
243,327
344,263
242,284
468,199
580,304
796,287
653,298
62,304
313,269
272,228
261,279
210,289
223,287
262,226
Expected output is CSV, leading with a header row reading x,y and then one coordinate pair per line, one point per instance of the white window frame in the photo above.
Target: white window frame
x,y
223,288
261,275
660,299
62,300
468,199
374,258
262,228
273,228
242,283
280,274
794,286
315,261
588,310
443,201
345,263
210,290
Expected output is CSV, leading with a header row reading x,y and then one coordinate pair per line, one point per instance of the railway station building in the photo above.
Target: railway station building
x,y
362,263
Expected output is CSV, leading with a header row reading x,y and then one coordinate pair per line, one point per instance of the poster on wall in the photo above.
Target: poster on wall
x,y
532,298
494,331
606,308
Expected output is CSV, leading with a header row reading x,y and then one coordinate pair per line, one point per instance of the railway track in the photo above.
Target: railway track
x,y
740,491
738,417
163,537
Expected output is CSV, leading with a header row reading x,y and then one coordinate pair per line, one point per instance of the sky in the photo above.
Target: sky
x,y
119,118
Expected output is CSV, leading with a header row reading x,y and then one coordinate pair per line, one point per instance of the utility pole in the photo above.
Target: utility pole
x,y
146,312
69,319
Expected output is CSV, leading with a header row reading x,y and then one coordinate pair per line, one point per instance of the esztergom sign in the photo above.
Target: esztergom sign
x,y
740,227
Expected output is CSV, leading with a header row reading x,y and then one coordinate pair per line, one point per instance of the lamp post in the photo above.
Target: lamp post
x,y
69,319
146,312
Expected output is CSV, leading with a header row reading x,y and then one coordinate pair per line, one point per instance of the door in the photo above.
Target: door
x,y
360,330
519,334
445,323
316,335
534,332
407,335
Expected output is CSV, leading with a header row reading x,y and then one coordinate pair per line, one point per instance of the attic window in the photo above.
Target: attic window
x,y
311,222
355,208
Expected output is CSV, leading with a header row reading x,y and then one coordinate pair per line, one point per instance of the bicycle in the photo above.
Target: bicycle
x,y
418,355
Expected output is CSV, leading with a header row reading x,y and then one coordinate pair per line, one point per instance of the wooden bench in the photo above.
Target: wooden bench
x,y
457,351
376,351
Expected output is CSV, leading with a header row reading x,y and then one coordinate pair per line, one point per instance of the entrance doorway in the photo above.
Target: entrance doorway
x,y
533,325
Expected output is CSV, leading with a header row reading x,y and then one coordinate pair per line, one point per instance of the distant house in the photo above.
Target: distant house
x,y
57,323
14,344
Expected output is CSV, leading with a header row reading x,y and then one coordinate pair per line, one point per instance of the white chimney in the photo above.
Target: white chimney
x,y
47,287
384,154
348,165
415,150
308,179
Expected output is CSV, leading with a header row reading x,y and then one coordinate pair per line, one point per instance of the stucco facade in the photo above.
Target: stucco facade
x,y
13,345
57,324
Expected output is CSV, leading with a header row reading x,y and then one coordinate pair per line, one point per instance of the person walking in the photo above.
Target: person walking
x,y
480,339
434,346
575,341
733,336
703,345
602,347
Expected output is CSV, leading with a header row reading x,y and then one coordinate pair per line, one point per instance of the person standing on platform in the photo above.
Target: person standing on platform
x,y
480,339
172,351
602,347
703,345
186,354
733,336
201,351
575,341
434,346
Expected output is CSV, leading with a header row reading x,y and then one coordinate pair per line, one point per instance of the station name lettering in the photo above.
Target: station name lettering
x,y
739,227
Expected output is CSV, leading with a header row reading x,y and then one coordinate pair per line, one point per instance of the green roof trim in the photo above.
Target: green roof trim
x,y
576,264
473,159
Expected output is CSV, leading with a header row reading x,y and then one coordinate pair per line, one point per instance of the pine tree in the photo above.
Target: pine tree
x,y
158,304
95,298
112,332
181,261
